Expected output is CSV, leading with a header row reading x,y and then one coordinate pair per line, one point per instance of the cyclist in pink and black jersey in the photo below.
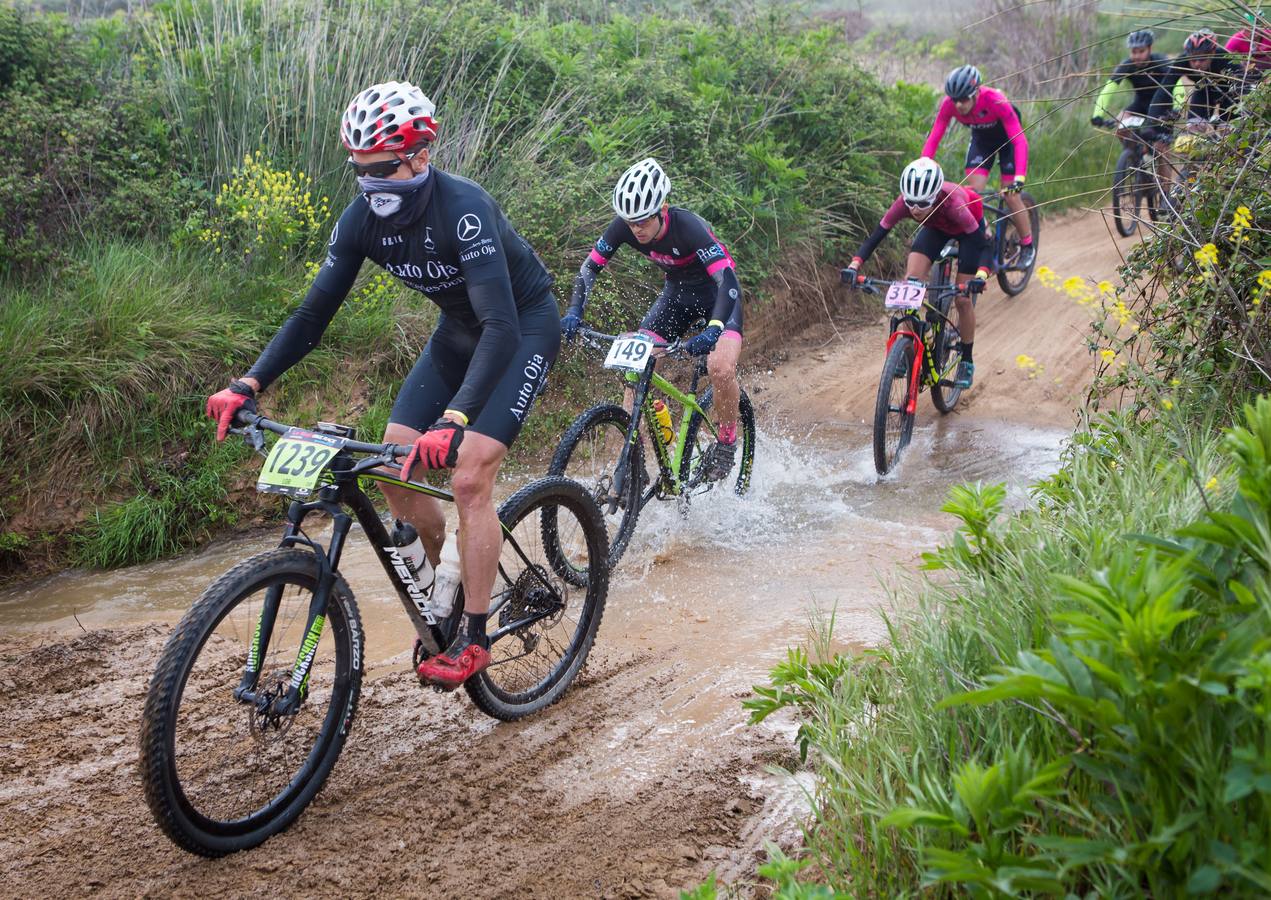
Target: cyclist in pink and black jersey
x,y
946,212
995,132
701,283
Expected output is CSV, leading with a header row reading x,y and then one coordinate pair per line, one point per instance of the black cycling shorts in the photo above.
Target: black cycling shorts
x,y
681,305
441,369
930,241
987,143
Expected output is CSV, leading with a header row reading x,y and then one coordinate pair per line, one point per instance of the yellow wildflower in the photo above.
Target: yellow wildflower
x,y
1207,255
1106,287
1211,484
1024,361
1264,285
1108,354
1167,404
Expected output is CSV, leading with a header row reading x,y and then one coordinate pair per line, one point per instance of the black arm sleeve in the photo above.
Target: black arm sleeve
x,y
583,283
304,327
1163,100
872,242
728,297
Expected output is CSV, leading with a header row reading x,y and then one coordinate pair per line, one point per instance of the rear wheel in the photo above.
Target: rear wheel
x,y
701,439
589,453
542,621
222,775
893,423
1125,196
1010,277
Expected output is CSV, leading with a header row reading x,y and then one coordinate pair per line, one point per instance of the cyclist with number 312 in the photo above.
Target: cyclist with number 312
x,y
467,397
945,211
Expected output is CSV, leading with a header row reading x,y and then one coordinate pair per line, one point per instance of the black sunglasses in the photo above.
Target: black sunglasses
x,y
382,169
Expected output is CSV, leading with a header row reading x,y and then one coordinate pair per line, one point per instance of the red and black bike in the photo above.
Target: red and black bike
x,y
923,350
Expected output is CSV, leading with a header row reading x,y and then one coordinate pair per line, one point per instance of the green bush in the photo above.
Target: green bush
x,y
95,156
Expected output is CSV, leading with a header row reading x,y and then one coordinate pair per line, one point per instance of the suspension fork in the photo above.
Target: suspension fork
x,y
328,559
640,394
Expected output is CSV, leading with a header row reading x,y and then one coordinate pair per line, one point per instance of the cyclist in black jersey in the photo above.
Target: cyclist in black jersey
x,y
701,283
1144,70
1217,81
468,395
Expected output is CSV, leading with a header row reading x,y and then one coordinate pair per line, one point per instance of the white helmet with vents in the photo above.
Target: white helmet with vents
x,y
394,115
641,191
921,181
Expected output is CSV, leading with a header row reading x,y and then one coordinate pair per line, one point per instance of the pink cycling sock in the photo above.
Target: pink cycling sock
x,y
1024,242
728,433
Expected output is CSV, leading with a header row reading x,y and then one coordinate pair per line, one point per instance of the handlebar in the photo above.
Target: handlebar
x,y
251,425
879,285
599,339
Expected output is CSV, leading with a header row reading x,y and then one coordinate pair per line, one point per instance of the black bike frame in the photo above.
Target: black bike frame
x,y
345,491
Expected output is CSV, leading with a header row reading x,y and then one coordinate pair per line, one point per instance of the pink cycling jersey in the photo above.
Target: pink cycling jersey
x,y
1259,52
958,211
991,110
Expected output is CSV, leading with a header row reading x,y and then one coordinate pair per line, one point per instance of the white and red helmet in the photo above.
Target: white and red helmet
x,y
394,115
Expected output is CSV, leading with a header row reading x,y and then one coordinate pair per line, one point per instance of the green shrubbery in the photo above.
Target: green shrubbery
x,y
158,230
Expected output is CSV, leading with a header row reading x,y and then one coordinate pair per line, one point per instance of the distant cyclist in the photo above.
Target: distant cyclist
x,y
467,397
1251,46
1216,78
1217,81
1144,70
945,211
995,133
701,283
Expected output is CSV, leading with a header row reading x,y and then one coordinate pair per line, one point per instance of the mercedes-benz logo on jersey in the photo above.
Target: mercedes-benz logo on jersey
x,y
469,227
428,244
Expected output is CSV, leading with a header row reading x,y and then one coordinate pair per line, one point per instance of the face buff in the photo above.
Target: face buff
x,y
387,195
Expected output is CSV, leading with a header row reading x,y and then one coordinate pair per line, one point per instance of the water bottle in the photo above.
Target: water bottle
x,y
446,587
663,417
406,539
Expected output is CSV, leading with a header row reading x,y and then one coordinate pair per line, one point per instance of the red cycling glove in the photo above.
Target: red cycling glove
x,y
436,448
222,406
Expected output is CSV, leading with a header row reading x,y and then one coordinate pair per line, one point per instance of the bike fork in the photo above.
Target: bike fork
x,y
639,395
298,685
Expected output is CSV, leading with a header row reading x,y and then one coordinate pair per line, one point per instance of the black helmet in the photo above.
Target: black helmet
x,y
1201,43
962,82
1141,38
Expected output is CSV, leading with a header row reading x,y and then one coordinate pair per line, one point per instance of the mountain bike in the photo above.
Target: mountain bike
x,y
1135,182
603,448
922,351
1012,278
256,689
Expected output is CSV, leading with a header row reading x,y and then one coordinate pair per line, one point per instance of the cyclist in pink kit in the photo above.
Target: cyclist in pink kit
x,y
995,132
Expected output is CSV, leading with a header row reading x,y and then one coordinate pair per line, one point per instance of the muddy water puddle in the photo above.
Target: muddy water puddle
x,y
740,578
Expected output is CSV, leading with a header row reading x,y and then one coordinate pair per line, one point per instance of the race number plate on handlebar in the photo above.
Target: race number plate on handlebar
x,y
905,295
1131,121
296,461
631,351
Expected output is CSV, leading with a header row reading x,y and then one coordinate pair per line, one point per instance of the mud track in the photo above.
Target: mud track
x,y
644,778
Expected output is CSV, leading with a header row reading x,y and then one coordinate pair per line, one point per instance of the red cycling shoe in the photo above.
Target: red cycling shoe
x,y
447,671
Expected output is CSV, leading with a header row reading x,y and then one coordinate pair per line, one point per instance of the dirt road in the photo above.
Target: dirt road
x,y
645,778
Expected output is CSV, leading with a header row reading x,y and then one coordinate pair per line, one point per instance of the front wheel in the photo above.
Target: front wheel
x,y
589,453
1011,277
948,354
893,422
548,597
220,774
1125,196
700,440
